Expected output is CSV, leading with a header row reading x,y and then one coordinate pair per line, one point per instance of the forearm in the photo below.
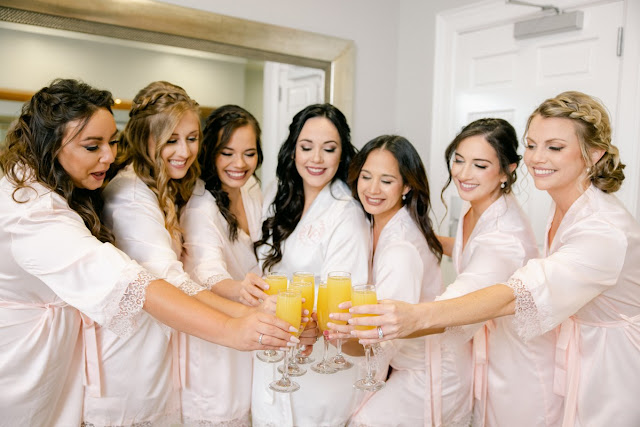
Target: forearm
x,y
176,309
447,244
227,288
475,307
224,305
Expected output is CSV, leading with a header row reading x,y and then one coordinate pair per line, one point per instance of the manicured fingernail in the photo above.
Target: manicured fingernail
x,y
305,312
351,310
292,329
353,333
331,316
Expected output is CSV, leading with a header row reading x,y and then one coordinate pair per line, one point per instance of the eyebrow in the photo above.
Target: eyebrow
x,y
384,174
325,142
474,160
564,141
99,138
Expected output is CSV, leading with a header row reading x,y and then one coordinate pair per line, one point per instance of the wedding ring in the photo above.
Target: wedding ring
x,y
380,334
260,339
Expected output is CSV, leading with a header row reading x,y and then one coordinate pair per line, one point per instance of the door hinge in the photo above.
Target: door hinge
x,y
620,41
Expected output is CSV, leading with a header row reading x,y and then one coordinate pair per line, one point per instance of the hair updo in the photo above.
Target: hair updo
x,y
593,128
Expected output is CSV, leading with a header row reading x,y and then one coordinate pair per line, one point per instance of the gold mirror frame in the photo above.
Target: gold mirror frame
x,y
165,24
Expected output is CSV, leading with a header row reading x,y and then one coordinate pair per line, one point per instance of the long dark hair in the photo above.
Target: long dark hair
x,y
221,124
289,202
413,175
35,140
501,136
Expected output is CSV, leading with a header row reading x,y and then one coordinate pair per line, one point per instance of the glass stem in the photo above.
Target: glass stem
x,y
285,371
367,356
325,352
339,347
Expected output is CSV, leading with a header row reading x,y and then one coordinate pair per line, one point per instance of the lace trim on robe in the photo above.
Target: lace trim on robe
x,y
126,300
243,421
190,287
529,318
214,280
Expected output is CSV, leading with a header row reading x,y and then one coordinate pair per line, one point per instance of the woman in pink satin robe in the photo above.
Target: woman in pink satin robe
x,y
588,281
494,239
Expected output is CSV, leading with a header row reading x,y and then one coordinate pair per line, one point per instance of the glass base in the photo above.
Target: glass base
x,y
340,363
294,370
369,385
324,368
304,360
284,386
270,356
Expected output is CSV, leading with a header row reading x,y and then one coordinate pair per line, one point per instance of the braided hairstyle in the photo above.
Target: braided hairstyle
x,y
593,128
221,124
156,111
413,175
289,202
35,140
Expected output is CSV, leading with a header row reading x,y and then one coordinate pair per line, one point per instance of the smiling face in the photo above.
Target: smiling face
x,y
237,161
181,150
476,172
87,155
380,186
554,159
317,155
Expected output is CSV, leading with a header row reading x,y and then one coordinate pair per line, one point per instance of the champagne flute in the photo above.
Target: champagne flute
x,y
323,367
277,282
364,295
289,309
339,291
305,282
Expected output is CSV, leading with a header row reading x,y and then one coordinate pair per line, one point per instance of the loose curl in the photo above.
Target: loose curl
x,y
35,140
221,124
593,128
501,136
289,202
413,175
155,112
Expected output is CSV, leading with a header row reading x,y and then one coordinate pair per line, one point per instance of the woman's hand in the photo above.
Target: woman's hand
x,y
261,331
396,319
340,331
309,336
252,290
268,305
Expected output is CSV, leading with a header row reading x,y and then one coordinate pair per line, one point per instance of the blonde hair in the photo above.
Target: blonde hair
x,y
593,128
155,112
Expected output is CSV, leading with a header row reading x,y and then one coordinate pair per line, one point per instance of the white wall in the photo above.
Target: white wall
x,y
371,24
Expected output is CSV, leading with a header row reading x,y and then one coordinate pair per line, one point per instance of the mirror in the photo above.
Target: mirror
x,y
250,55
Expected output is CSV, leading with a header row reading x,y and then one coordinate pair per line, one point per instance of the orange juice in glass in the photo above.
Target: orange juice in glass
x,y
338,291
322,310
277,282
305,283
363,295
289,309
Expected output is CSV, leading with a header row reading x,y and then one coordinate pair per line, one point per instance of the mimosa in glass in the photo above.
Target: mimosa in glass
x,y
366,295
322,310
277,282
305,282
339,291
289,309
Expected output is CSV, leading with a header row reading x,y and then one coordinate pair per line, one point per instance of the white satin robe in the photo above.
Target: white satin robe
x,y
333,235
405,269
504,365
218,379
51,267
589,284
142,375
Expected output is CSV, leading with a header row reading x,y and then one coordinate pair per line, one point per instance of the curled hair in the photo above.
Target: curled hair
x,y
156,111
593,128
413,176
221,124
501,136
289,202
35,140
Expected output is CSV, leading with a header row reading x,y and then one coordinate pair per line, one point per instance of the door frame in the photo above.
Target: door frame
x,y
486,14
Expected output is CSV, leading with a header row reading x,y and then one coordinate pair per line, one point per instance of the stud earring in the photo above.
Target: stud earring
x,y
404,197
503,185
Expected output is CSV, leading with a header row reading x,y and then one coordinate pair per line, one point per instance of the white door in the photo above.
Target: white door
x,y
288,89
495,75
